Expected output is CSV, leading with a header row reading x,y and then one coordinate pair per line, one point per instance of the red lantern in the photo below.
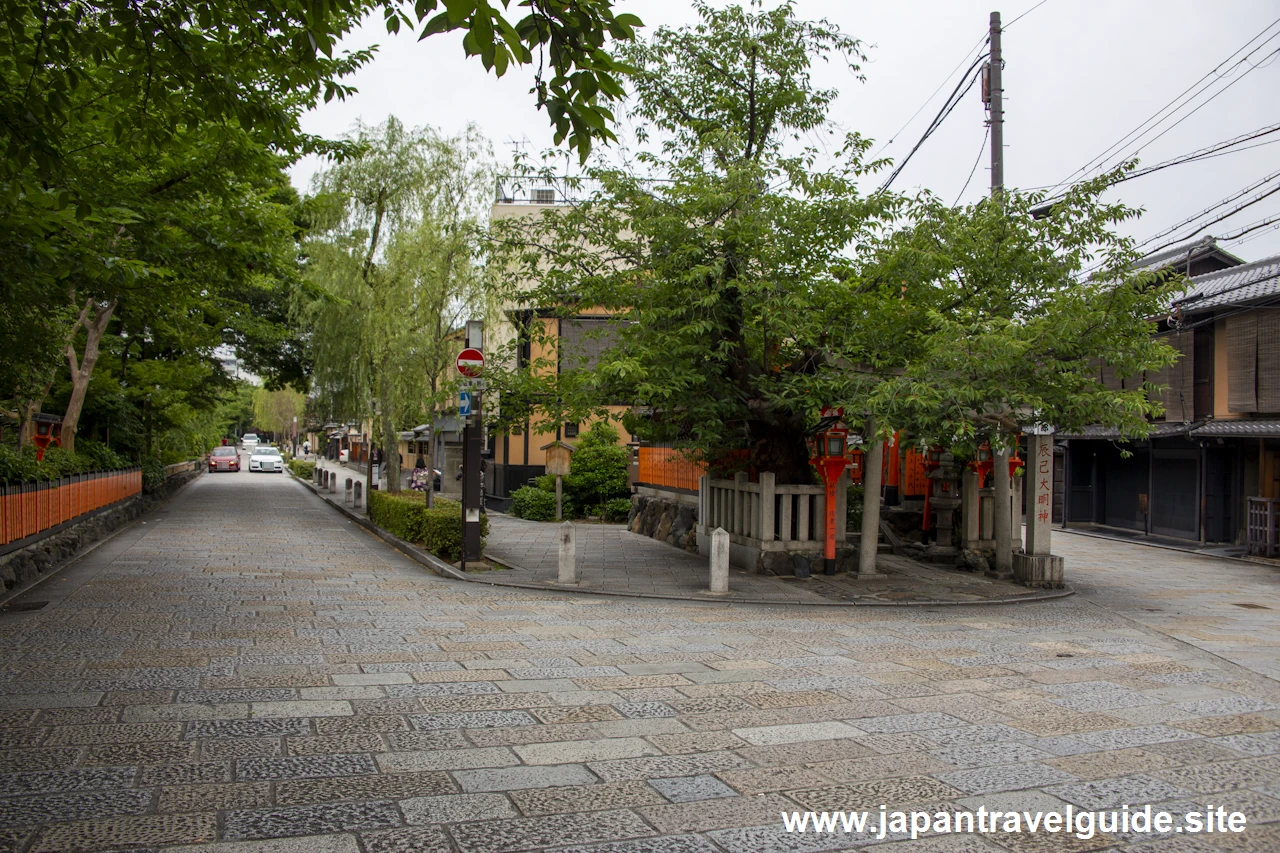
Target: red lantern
x,y
827,451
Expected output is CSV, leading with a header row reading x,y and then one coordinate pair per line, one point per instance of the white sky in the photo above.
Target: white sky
x,y
1079,75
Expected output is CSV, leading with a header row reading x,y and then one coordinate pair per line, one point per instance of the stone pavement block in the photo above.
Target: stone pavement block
x,y
455,808
219,750
41,809
446,759
391,786
344,693
763,780
414,839
676,744
705,815
578,714
1103,765
518,778
666,766
645,710
119,832
361,725
881,766
772,838
575,752
219,797
688,789
646,728
370,678
507,836
536,802
319,819
183,712
329,744
1007,777
300,708
344,843
987,754
1136,736
54,781
247,728
50,700
1233,724
32,760
869,796
305,767
184,774
116,733
1222,776
796,733
801,753
471,720
533,734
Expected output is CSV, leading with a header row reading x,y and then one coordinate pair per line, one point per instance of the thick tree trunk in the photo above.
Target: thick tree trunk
x,y
780,448
872,460
28,407
1002,526
82,368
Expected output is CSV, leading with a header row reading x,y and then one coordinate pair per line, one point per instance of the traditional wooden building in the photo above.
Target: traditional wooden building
x,y
1218,443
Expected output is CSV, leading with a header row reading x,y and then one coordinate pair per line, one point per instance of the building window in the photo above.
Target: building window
x,y
544,196
570,430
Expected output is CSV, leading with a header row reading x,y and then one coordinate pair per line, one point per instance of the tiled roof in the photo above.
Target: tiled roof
x,y
1158,430
1240,285
1182,254
1243,428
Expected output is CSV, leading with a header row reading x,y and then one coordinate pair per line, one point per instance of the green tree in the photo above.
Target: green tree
x,y
599,469
277,411
395,258
723,234
1013,315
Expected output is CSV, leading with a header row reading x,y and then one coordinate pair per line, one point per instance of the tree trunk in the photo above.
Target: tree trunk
x,y
27,408
780,448
1002,526
82,368
391,451
873,458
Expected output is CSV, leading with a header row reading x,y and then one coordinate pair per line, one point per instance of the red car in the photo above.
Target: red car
x,y
224,459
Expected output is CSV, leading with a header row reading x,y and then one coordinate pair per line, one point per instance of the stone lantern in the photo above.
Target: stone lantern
x,y
943,500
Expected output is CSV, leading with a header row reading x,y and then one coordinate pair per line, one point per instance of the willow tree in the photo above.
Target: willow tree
x,y
724,226
395,261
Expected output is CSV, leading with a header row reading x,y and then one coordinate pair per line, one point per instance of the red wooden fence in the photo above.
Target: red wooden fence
x,y
667,466
29,508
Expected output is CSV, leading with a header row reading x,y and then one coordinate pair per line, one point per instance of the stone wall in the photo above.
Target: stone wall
x,y
21,567
665,520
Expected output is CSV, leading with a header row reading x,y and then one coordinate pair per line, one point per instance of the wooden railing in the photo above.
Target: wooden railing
x,y
1262,527
30,508
792,516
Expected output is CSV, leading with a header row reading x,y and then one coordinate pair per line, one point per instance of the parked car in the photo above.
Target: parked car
x,y
250,441
266,459
224,459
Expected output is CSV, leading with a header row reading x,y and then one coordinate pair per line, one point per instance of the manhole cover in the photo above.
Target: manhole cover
x,y
20,606
1251,606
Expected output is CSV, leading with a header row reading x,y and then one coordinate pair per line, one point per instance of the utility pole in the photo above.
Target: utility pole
x,y
995,100
1004,527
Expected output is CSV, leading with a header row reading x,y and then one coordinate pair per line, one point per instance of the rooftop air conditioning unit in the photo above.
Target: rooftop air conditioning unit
x,y
544,196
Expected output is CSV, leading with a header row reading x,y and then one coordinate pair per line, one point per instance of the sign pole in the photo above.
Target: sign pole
x,y
471,364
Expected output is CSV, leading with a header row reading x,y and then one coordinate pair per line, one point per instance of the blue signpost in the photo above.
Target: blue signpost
x,y
464,403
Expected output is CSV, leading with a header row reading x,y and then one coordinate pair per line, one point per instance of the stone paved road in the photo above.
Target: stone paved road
x,y
249,673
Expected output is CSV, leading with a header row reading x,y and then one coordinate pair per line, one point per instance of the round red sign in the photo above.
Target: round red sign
x,y
470,362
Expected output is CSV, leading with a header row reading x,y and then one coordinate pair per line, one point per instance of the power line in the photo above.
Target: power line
x,y
1211,208
982,41
974,170
1216,150
1024,14
953,99
1230,213
1158,115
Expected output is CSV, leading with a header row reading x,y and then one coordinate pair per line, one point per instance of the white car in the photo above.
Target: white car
x,y
266,459
250,441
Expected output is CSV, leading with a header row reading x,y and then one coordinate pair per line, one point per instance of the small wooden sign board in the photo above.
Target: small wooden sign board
x,y
559,457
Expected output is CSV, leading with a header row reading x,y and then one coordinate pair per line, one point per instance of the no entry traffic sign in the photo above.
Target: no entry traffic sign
x,y
470,362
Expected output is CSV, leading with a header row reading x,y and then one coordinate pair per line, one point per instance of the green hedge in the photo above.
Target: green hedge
x,y
303,469
535,504
617,509
438,530
20,466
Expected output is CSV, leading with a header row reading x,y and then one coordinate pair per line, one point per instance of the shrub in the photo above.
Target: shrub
x,y
599,471
617,509
152,472
20,466
534,504
302,469
438,530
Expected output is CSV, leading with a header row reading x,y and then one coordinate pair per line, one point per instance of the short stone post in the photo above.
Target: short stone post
x,y
359,495
969,509
347,497
333,483
719,561
316,473
1037,566
568,554
324,479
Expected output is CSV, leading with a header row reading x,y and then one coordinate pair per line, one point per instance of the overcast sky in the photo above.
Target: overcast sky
x,y
1079,75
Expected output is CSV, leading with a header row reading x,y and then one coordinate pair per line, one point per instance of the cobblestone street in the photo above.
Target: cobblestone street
x,y
246,671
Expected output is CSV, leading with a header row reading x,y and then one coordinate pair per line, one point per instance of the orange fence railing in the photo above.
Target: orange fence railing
x,y
30,508
667,466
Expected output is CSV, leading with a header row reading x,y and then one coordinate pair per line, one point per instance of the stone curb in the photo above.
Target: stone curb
x,y
440,567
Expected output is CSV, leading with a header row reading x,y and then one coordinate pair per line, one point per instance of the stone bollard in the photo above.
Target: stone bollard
x,y
719,561
324,479
347,497
315,474
333,483
568,554
359,495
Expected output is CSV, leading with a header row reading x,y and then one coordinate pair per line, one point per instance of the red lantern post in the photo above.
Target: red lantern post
x,y
827,450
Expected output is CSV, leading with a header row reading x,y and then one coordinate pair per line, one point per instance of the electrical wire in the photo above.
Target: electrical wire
x,y
981,149
1218,149
952,101
1208,210
1024,14
969,53
1174,104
